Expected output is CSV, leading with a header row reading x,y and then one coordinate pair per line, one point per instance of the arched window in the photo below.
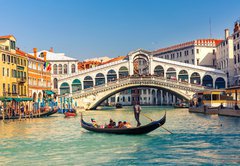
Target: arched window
x,y
171,73
111,76
64,88
183,76
207,81
88,82
159,71
99,79
59,69
65,70
76,85
55,83
235,59
55,69
220,83
195,78
73,68
123,72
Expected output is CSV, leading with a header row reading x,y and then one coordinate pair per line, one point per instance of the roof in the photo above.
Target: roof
x,y
7,37
52,56
22,53
198,42
115,59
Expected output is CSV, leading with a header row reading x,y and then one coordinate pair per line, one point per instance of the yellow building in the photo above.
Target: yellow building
x,y
13,69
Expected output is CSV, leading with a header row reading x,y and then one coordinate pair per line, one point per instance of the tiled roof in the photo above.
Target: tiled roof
x,y
6,37
115,59
199,42
22,53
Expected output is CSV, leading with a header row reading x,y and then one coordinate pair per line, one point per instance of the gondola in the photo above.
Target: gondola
x,y
70,114
36,115
129,131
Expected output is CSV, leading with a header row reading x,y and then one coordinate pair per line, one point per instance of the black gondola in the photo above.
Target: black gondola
x,y
131,131
36,115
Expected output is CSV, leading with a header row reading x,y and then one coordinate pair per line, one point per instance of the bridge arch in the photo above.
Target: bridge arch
x,y
183,76
195,78
159,71
207,81
111,75
88,82
123,72
76,85
99,79
171,73
220,83
178,94
140,64
64,88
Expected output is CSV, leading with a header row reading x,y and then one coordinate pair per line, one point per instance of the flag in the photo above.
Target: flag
x,y
49,67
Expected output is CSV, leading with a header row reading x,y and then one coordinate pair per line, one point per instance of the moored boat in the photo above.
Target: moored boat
x,y
118,105
70,114
35,115
130,131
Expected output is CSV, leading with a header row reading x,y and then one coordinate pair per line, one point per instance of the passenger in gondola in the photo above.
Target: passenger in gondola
x,y
94,123
120,124
126,125
111,124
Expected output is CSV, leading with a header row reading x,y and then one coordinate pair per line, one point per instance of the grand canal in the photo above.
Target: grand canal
x,y
196,140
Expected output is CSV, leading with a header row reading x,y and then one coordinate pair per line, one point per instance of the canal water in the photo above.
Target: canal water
x,y
196,140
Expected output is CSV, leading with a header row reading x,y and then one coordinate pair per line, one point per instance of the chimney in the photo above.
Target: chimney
x,y
226,33
51,49
35,52
45,56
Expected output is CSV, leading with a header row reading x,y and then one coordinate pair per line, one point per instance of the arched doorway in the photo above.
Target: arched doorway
x,y
220,83
76,85
111,76
183,76
207,81
88,82
195,78
171,73
159,71
141,65
64,88
123,72
99,79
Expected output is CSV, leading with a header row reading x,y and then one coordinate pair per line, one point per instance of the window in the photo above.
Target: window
x,y
238,46
192,51
3,57
65,71
14,60
24,63
59,69
238,58
9,88
4,87
73,68
7,72
21,62
12,45
11,59
234,47
8,59
214,52
235,59
14,89
55,69
192,61
3,71
198,61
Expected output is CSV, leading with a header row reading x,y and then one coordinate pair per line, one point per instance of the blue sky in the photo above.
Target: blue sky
x,y
94,28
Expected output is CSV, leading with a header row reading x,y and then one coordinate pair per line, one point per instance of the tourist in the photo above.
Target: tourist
x,y
111,124
221,106
120,124
126,125
94,123
137,110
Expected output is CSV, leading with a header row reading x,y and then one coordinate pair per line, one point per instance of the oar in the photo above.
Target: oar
x,y
160,126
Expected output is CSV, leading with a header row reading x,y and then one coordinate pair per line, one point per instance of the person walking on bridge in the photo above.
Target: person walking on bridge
x,y
137,109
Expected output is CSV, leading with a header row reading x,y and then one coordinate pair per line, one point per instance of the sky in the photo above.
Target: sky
x,y
86,29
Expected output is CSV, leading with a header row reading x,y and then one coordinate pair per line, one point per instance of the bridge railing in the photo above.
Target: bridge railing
x,y
131,79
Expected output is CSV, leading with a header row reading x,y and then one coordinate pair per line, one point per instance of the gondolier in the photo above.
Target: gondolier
x,y
137,109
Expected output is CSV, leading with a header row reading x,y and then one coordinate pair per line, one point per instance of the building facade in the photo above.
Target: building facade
x,y
236,47
225,57
13,70
39,76
200,52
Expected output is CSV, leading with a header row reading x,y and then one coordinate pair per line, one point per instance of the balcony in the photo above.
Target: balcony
x,y
21,80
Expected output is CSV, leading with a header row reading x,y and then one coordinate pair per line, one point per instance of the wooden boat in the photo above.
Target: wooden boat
x,y
70,114
181,105
36,115
131,131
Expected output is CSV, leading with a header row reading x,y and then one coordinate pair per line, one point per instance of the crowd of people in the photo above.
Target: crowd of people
x,y
112,124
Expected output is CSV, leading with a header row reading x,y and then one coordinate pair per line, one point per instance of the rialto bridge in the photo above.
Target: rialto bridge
x,y
89,88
